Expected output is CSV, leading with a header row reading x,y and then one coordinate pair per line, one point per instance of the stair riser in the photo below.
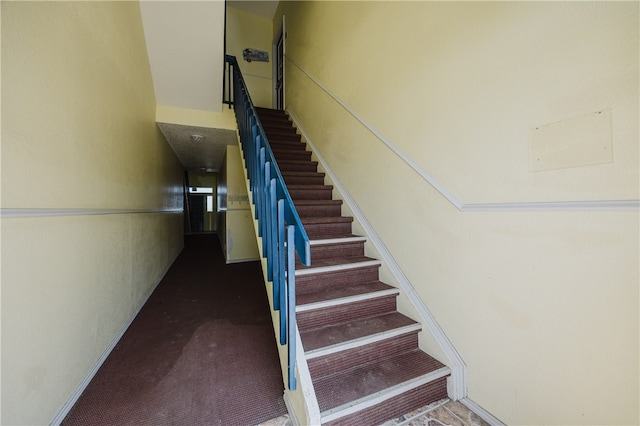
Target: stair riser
x,y
317,282
334,251
279,128
319,211
328,230
286,166
310,194
396,406
347,312
354,357
287,145
304,180
292,155
272,113
281,136
276,135
337,250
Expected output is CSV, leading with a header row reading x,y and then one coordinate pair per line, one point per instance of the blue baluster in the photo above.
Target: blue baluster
x,y
291,306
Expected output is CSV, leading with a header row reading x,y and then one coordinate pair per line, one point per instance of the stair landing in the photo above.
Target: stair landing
x,y
441,413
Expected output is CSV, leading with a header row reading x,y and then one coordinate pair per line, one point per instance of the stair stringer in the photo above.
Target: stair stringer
x,y
457,382
301,403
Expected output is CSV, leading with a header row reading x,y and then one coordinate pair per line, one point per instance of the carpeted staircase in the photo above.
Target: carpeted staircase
x,y
363,355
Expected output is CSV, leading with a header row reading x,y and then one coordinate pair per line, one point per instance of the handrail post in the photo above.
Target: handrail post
x,y
268,223
291,305
279,292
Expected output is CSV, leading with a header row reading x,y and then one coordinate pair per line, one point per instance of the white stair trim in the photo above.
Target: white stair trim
x,y
382,396
343,240
334,268
346,300
457,388
362,341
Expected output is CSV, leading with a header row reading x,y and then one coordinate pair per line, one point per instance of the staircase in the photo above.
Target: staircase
x,y
363,355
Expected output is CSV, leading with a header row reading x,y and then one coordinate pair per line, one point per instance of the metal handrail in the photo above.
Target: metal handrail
x,y
279,224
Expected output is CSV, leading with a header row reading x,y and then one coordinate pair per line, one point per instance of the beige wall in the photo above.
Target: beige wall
x,y
78,132
236,230
245,30
542,306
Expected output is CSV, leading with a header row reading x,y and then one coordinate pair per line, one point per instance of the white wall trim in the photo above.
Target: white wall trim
x,y
64,411
244,260
600,205
30,213
484,414
458,380
292,413
592,205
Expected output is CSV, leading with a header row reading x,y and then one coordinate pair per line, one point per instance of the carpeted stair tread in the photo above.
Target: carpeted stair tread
x,y
310,203
347,386
337,263
319,209
275,136
336,334
292,154
281,125
327,226
327,220
284,138
304,180
304,301
309,187
310,192
284,144
302,174
297,165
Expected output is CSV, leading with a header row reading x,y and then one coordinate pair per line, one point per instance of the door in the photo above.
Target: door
x,y
278,72
196,212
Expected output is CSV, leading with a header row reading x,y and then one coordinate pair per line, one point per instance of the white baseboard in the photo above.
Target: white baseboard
x,y
64,411
484,414
292,412
457,383
250,259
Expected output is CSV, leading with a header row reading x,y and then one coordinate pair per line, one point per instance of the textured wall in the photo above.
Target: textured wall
x,y
78,132
542,306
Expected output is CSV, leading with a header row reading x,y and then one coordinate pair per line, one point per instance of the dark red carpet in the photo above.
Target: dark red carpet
x,y
201,351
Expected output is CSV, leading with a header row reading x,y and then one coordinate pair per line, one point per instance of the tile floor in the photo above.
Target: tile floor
x,y
440,413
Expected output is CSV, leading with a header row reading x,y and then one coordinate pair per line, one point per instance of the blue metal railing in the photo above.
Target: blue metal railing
x,y
279,224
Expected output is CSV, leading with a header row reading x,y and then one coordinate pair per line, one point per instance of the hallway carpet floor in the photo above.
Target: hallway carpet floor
x,y
201,351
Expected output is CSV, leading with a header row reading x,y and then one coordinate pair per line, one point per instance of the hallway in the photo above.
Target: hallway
x,y
201,351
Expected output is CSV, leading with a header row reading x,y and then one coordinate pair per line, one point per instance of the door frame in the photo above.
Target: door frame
x,y
278,101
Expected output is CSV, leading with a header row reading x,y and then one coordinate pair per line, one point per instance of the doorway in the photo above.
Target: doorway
x,y
278,64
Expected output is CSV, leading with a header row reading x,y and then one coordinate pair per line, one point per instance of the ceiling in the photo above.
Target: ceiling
x,y
264,8
205,155
185,43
